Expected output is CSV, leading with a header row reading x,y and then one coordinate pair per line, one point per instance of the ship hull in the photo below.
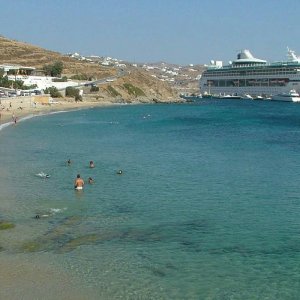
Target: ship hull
x,y
252,76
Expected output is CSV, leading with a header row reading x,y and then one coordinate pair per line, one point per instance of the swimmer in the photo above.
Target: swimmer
x,y
120,172
69,162
43,175
91,180
41,216
92,164
78,183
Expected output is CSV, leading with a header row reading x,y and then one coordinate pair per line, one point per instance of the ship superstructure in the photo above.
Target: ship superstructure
x,y
252,76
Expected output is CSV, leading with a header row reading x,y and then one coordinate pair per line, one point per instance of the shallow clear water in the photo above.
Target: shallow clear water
x,y
207,206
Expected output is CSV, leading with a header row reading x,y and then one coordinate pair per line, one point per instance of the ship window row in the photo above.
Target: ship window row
x,y
251,73
248,82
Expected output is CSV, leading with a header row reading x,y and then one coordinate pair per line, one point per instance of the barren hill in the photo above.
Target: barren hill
x,y
15,52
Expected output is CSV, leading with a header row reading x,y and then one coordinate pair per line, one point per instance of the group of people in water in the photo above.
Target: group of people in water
x,y
79,182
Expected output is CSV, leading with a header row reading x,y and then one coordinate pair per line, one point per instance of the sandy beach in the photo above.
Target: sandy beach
x,y
21,107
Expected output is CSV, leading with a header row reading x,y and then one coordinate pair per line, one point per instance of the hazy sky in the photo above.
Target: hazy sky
x,y
183,32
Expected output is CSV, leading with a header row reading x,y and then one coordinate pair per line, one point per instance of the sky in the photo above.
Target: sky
x,y
175,31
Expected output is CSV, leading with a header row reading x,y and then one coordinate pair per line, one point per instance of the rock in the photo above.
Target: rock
x,y
6,225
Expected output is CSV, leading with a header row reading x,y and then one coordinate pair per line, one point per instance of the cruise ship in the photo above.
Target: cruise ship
x,y
248,75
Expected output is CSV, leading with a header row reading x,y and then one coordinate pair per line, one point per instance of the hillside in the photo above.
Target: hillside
x,y
20,53
136,86
14,52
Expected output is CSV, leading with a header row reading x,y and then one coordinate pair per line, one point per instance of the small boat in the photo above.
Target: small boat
x,y
247,97
229,97
291,96
258,98
207,96
190,98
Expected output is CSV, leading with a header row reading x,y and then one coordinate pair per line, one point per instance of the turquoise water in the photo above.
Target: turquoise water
x,y
207,206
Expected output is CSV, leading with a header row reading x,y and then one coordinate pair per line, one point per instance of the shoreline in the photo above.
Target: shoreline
x,y
20,110
7,114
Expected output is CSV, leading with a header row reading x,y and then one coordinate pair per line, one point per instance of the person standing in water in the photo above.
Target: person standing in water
x,y
92,165
79,183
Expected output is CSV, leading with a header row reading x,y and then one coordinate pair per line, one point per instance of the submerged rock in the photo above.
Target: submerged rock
x,y
6,225
156,271
32,246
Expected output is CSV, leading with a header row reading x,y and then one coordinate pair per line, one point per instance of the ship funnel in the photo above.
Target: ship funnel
x,y
245,54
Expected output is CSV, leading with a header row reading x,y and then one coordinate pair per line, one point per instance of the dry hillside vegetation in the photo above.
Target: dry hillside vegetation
x,y
136,85
14,52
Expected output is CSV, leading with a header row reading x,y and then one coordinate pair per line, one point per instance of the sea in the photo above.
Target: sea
x,y
207,205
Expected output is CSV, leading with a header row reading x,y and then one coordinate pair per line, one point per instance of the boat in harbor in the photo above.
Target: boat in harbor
x,y
190,98
229,97
291,96
247,97
248,75
207,95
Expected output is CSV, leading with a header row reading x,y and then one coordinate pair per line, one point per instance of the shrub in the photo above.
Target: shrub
x,y
72,92
18,84
29,87
54,70
53,91
133,90
94,88
81,77
78,98
63,79
112,91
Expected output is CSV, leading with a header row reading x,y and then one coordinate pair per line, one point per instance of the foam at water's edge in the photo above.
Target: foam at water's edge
x,y
5,125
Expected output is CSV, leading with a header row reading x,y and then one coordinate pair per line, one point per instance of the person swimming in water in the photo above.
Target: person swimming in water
x,y
92,165
120,172
69,162
91,180
78,183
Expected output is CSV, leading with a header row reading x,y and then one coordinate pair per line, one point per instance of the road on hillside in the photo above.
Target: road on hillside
x,y
121,73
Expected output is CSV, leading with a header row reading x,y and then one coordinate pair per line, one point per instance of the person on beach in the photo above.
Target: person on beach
x,y
92,165
79,183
